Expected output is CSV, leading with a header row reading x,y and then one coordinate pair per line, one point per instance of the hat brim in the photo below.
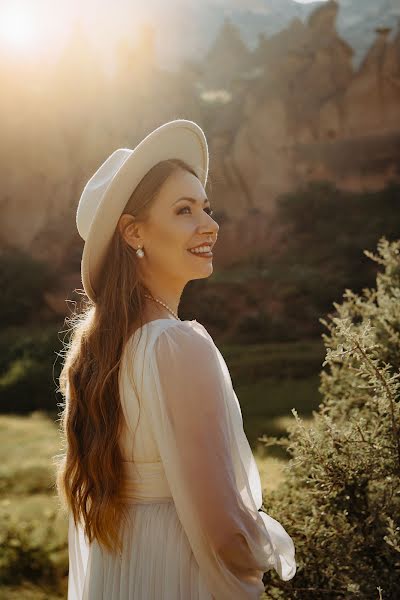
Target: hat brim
x,y
176,139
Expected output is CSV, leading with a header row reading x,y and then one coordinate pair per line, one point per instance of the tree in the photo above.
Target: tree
x,y
340,501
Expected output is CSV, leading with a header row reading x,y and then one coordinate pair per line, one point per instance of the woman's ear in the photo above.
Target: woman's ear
x,y
129,230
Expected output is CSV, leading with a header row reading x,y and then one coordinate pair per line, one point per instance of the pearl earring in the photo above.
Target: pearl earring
x,y
139,252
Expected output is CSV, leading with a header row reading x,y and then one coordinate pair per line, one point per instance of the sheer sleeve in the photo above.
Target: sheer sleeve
x,y
211,472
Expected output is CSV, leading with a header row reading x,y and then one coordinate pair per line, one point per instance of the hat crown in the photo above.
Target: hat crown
x,y
95,189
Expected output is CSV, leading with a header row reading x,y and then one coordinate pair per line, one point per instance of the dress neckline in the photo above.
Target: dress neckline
x,y
164,319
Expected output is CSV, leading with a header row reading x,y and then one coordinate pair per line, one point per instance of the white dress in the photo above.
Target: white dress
x,y
193,484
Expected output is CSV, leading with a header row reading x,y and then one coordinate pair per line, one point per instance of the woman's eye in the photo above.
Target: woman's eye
x,y
208,210
182,209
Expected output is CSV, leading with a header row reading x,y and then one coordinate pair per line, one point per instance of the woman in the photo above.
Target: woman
x,y
162,488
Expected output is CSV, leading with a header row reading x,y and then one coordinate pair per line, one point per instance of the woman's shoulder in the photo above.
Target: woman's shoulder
x,y
166,323
159,329
181,329
171,339
190,343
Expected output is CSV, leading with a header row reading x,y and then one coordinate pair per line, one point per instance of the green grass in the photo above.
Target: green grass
x,y
284,360
33,528
264,404
29,591
274,397
27,445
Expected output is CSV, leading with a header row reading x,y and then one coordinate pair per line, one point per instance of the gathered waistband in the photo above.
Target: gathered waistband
x,y
146,482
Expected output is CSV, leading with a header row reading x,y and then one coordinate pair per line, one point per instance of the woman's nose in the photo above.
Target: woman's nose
x,y
211,225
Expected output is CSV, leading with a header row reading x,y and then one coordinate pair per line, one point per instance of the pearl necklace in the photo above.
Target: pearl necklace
x,y
165,306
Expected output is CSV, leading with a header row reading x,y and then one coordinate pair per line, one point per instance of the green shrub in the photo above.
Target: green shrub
x,y
323,231
22,282
33,528
28,479
340,501
26,450
29,368
25,555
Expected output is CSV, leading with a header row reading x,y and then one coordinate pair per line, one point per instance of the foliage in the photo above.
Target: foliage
x,y
25,454
322,217
33,529
324,230
340,501
23,280
29,369
27,350
296,360
24,556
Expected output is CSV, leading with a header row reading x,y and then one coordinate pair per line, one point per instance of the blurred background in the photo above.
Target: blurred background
x,y
300,103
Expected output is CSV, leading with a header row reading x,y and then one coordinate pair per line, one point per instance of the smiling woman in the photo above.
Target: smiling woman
x,y
161,487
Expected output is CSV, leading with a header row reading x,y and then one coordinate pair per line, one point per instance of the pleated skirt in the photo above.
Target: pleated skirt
x,y
157,562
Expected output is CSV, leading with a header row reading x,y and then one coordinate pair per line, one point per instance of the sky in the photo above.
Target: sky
x,y
37,26
37,30
40,26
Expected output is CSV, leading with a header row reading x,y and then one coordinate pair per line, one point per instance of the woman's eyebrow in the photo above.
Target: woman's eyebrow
x,y
192,200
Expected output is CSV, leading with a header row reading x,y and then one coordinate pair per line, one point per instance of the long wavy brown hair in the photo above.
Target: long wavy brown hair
x,y
89,473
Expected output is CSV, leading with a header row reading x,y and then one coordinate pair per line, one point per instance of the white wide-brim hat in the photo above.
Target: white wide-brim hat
x,y
107,192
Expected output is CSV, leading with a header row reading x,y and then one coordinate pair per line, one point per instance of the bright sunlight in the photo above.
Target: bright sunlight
x,y
17,26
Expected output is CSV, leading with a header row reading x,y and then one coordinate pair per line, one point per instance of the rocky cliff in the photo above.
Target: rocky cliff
x,y
307,115
292,110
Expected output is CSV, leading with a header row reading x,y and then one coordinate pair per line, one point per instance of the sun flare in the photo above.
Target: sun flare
x,y
17,27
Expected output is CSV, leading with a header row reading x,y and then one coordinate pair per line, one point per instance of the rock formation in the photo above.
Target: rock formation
x,y
297,111
309,116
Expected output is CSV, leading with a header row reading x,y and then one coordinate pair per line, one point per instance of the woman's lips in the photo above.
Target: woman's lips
x,y
202,254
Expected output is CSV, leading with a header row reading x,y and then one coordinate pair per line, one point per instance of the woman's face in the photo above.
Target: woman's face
x,y
175,225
